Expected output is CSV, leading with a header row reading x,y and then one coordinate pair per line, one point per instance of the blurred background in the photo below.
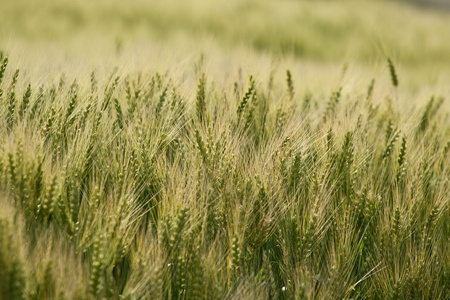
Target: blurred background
x,y
82,34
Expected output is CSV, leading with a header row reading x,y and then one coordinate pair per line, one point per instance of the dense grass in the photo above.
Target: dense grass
x,y
300,151
125,187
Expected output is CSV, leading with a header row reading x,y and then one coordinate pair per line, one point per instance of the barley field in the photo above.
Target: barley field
x,y
224,149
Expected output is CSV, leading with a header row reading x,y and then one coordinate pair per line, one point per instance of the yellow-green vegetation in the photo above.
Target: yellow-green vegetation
x,y
224,150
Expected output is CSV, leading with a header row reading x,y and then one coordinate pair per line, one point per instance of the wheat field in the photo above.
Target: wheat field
x,y
224,150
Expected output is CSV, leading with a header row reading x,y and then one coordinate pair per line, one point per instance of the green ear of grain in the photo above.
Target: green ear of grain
x,y
246,97
119,114
3,66
290,84
370,89
394,77
25,101
200,104
12,101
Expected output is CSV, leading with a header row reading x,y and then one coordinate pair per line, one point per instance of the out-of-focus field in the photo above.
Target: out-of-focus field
x,y
251,149
358,33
